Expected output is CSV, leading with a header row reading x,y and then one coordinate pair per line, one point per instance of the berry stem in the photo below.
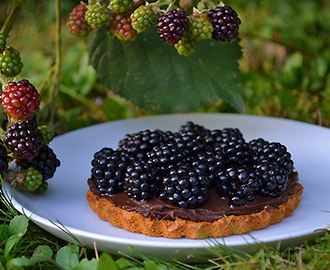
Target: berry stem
x,y
56,86
11,19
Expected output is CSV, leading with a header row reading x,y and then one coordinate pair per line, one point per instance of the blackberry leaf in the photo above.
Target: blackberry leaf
x,y
140,71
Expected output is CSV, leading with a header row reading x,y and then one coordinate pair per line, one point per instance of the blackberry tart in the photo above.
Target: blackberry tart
x,y
193,183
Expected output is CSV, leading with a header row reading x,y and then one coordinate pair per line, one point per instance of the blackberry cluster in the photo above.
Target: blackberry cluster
x,y
32,180
77,23
185,46
225,22
180,167
47,133
24,139
200,27
172,26
10,62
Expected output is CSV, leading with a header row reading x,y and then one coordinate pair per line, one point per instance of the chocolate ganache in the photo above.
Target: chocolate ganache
x,y
215,208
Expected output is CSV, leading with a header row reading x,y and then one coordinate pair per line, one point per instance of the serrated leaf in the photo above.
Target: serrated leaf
x,y
150,72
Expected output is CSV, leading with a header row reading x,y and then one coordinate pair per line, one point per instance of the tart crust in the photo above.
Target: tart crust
x,y
178,228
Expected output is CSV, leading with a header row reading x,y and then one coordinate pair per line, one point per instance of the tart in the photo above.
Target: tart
x,y
194,183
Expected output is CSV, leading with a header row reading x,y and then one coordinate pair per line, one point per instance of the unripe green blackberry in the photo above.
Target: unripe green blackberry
x,y
186,46
47,134
97,15
200,27
10,62
120,6
3,42
42,188
144,17
32,179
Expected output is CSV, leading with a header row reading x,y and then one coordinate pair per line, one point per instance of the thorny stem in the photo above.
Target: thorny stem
x,y
56,85
11,19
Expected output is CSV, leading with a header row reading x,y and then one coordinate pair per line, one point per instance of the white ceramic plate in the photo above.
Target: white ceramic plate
x,y
64,206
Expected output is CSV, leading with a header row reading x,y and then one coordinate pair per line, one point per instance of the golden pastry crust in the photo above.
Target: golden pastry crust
x,y
178,228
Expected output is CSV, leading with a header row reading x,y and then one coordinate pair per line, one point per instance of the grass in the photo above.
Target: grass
x,y
284,73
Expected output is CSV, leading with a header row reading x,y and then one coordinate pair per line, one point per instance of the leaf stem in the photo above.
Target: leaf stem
x,y
11,19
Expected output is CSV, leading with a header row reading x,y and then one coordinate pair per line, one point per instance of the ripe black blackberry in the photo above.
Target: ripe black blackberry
x,y
163,157
190,126
271,179
141,181
172,26
225,23
137,145
238,184
190,141
108,168
222,135
3,157
185,187
24,139
273,152
46,162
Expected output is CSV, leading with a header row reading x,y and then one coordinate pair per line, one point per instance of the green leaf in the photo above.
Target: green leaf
x,y
106,262
18,225
67,257
41,254
86,264
150,72
4,232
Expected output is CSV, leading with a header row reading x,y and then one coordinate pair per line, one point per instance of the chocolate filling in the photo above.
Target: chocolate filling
x,y
215,208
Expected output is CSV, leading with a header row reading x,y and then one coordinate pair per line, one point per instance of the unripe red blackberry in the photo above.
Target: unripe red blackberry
x,y
77,23
10,62
97,15
120,6
24,139
200,27
172,26
3,42
225,22
121,27
20,100
144,17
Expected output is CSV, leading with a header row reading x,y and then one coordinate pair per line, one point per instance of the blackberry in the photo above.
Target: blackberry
x,y
120,6
42,188
190,141
77,24
31,180
97,15
46,162
137,145
185,46
24,139
273,152
47,134
190,126
200,27
163,157
10,62
141,182
20,100
3,42
217,136
225,22
3,157
172,26
108,168
185,187
121,27
272,179
144,17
